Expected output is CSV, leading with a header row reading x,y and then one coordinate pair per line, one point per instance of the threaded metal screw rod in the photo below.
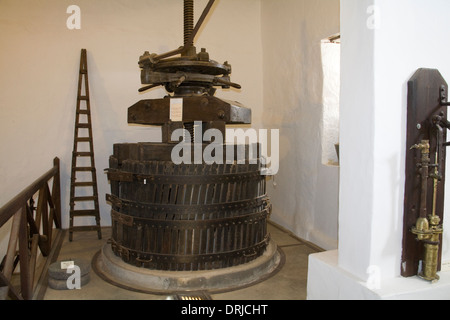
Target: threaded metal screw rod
x,y
188,22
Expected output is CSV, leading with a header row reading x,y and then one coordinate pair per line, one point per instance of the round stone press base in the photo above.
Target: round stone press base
x,y
115,271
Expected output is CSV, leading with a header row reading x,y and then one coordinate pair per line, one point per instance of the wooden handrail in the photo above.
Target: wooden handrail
x,y
15,204
26,229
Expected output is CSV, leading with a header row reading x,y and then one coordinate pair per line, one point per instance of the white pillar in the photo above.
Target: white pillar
x,y
384,42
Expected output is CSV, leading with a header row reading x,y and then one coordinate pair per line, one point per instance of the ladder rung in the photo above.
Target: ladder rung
x,y
83,111
84,228
83,184
83,125
84,213
84,98
83,169
88,198
84,139
83,154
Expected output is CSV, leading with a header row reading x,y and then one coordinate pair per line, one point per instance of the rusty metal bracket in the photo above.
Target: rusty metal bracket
x,y
130,255
122,176
132,207
443,96
190,224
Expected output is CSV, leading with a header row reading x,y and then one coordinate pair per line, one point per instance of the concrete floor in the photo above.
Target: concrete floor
x,y
288,284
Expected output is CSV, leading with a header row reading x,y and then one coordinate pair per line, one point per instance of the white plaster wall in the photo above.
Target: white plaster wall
x,y
383,44
402,45
39,62
356,137
377,62
331,61
305,199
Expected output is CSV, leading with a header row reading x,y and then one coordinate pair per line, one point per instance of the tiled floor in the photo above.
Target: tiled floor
x,y
288,284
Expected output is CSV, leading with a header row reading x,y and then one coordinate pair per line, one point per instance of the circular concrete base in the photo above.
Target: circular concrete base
x,y
115,271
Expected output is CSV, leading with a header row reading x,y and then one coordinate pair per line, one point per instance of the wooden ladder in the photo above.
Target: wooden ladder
x,y
83,137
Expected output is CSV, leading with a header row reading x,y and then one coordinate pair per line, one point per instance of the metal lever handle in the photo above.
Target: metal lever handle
x,y
148,87
156,58
227,83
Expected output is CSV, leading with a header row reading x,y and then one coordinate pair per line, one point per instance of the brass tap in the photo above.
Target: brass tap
x,y
428,228
424,146
429,234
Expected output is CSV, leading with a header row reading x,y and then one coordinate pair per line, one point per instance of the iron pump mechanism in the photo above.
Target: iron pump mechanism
x,y
425,174
188,216
428,228
190,75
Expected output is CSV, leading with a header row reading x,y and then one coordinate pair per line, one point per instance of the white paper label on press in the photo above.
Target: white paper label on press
x,y
176,110
67,264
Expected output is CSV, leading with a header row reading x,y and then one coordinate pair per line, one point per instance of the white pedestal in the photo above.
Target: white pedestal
x,y
326,281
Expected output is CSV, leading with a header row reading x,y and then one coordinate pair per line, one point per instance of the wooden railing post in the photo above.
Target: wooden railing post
x,y
11,252
56,193
29,239
25,271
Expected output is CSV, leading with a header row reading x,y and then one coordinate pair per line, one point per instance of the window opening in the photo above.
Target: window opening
x,y
331,63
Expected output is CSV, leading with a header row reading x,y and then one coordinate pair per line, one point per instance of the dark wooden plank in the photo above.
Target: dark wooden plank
x,y
423,103
211,109
26,283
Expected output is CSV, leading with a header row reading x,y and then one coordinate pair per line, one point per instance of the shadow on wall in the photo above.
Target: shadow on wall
x,y
305,198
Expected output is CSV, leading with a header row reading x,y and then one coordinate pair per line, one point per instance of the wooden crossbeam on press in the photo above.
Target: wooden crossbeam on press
x,y
90,180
